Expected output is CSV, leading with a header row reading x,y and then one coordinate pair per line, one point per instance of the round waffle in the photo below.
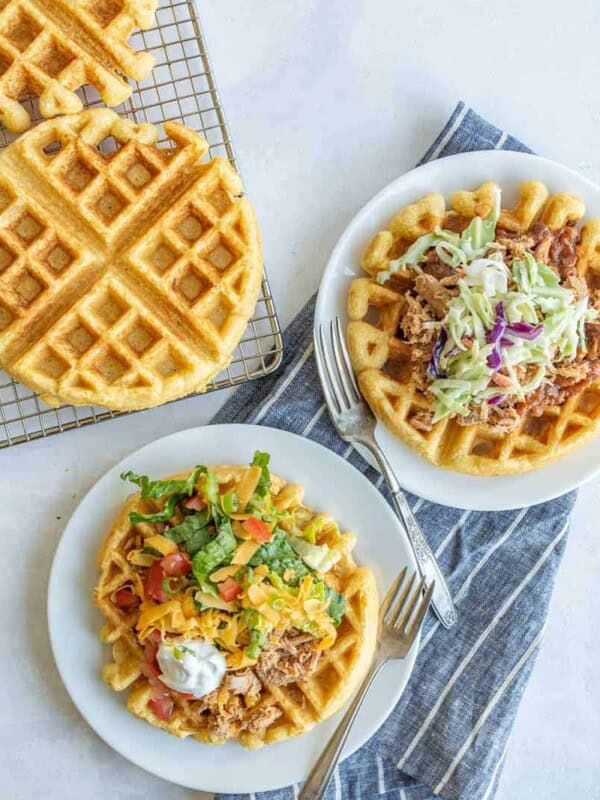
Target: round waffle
x,y
382,359
303,703
50,49
128,272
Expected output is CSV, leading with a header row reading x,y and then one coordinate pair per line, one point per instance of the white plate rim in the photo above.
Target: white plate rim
x,y
395,684
477,493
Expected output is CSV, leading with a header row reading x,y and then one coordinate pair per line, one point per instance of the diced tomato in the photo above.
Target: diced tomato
x,y
257,529
185,696
126,599
162,707
153,586
194,503
150,670
176,565
151,649
229,589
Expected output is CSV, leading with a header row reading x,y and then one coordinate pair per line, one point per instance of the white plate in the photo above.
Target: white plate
x,y
446,175
74,622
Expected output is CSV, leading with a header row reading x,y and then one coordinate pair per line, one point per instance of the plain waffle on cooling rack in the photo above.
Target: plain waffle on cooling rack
x,y
128,272
49,49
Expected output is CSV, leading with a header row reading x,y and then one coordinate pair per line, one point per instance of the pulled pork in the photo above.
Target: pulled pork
x,y
261,718
435,294
288,658
416,314
243,682
570,380
235,707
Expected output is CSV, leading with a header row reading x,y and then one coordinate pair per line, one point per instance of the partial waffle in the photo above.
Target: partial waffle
x,y
304,703
49,49
382,359
128,272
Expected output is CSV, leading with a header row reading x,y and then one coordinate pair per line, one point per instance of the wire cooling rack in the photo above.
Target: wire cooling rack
x,y
181,87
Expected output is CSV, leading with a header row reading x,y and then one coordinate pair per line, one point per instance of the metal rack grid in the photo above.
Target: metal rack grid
x,y
181,87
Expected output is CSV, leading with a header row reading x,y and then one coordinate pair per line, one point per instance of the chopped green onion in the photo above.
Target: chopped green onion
x,y
229,502
277,581
172,585
257,637
244,576
318,591
180,649
251,617
314,527
253,651
277,603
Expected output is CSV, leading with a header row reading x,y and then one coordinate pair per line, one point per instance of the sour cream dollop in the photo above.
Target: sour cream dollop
x,y
191,666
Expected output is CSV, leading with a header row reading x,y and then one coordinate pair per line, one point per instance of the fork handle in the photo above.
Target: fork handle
x,y
316,784
441,601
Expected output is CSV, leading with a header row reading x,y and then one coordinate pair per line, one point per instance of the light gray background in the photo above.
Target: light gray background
x,y
328,101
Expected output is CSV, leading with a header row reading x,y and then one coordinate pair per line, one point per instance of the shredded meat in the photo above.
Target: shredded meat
x,y
287,659
433,265
243,682
420,356
456,222
502,418
570,374
592,335
233,707
562,250
568,384
422,421
516,246
412,323
538,232
221,715
261,718
435,295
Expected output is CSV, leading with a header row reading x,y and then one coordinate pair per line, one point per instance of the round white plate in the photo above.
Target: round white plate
x,y
331,484
446,175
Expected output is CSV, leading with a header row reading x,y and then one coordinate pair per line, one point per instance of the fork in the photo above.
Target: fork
x,y
394,640
355,422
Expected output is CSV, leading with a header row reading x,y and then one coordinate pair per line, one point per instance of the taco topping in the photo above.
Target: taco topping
x,y
235,590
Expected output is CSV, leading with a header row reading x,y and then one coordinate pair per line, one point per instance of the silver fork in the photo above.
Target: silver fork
x,y
398,629
354,421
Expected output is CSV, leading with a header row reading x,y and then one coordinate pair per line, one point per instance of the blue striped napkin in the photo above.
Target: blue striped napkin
x,y
448,735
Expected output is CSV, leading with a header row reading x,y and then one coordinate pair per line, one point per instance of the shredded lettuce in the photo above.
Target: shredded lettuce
x,y
215,553
155,490
193,532
264,484
173,490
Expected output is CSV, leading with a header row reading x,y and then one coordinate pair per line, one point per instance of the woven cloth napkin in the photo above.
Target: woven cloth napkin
x,y
448,735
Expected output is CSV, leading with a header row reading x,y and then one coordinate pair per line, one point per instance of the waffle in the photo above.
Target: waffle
x,y
304,704
49,49
127,273
381,359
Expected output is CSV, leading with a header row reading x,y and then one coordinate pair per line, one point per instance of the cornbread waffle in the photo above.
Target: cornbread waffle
x,y
304,703
381,358
127,277
49,49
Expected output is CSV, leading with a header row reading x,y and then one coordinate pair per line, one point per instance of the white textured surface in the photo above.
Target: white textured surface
x,y
327,102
